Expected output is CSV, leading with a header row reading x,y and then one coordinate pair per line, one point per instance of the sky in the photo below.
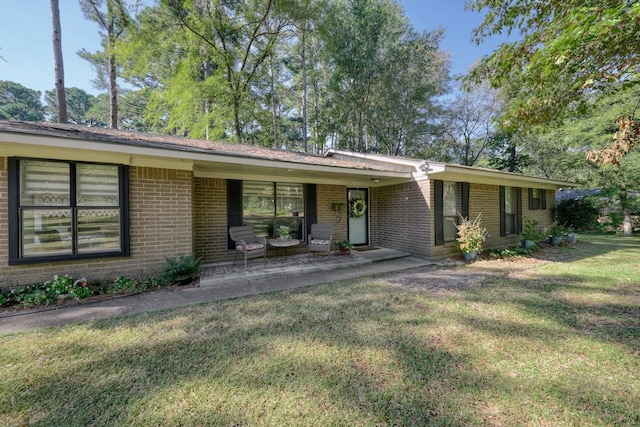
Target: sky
x,y
25,39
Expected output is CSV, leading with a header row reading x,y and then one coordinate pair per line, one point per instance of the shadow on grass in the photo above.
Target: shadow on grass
x,y
319,357
348,353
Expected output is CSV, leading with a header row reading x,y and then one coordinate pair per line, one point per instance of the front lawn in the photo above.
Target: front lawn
x,y
555,344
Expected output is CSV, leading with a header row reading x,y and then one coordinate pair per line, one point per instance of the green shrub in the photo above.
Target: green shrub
x,y
60,285
122,285
513,252
579,214
4,296
181,269
49,292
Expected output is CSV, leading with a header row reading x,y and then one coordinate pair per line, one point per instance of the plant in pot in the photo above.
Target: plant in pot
x,y
529,234
284,232
344,246
337,206
554,232
471,237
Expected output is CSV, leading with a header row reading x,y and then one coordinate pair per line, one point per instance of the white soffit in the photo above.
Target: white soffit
x,y
489,177
202,164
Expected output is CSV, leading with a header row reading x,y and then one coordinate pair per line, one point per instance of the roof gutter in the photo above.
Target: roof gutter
x,y
121,152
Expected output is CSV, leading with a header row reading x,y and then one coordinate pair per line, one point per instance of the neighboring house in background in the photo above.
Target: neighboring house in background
x,y
102,202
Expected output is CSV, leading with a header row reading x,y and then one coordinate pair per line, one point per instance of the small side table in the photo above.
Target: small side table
x,y
284,244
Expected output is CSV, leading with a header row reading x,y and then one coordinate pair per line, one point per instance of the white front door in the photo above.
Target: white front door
x,y
358,215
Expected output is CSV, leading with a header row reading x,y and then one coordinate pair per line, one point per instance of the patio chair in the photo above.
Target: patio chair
x,y
247,243
320,238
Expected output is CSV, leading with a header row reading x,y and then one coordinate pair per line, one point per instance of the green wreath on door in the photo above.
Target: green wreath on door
x,y
358,208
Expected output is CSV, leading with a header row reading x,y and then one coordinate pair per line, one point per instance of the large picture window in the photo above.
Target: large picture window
x,y
67,210
267,205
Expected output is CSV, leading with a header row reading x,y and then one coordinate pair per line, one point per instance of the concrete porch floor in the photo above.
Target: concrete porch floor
x,y
216,274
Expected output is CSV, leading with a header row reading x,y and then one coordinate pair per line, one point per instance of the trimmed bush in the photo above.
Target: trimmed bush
x,y
579,214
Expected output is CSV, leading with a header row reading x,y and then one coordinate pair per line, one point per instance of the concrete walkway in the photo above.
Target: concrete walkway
x,y
219,282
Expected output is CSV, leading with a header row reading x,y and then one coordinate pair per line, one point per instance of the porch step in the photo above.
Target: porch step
x,y
222,274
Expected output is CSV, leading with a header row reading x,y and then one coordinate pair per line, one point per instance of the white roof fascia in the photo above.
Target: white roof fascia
x,y
377,157
425,170
42,147
487,176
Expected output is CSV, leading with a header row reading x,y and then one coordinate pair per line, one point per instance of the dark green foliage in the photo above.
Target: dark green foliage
x,y
124,285
181,269
178,270
51,291
79,103
19,103
579,214
513,252
344,244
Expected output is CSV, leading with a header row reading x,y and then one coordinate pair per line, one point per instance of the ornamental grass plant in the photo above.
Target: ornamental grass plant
x,y
471,235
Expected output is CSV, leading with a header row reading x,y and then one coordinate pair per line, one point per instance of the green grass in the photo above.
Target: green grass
x,y
554,344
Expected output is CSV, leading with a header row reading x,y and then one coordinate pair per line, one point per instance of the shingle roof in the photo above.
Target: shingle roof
x,y
175,143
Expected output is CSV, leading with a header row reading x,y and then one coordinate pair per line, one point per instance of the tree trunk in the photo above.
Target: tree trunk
x,y
512,157
207,102
274,108
113,91
59,65
304,94
113,88
236,118
626,213
316,120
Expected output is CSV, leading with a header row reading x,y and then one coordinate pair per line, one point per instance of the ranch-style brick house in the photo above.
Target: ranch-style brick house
x,y
102,202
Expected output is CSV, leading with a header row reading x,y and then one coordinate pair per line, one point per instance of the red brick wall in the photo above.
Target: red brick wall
x,y
161,225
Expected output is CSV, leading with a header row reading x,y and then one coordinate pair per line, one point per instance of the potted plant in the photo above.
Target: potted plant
x,y
337,206
471,237
529,234
555,231
344,246
284,232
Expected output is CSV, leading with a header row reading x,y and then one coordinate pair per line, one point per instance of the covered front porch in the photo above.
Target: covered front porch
x,y
277,271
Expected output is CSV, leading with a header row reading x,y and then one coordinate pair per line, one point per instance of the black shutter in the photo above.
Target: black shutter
x,y
519,210
438,207
311,207
503,227
465,199
531,207
234,206
543,199
14,220
125,226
